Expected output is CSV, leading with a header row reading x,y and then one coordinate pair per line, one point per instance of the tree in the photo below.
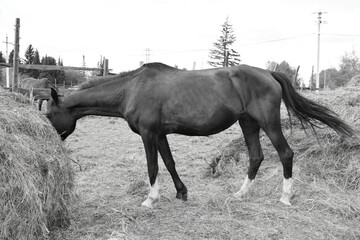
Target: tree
x,y
31,57
2,59
285,67
329,78
51,75
222,55
36,57
60,75
73,77
34,72
349,67
11,57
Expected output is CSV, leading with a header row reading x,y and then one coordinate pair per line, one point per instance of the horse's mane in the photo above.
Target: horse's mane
x,y
101,80
148,66
96,81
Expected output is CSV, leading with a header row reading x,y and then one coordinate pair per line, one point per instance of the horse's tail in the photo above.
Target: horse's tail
x,y
310,112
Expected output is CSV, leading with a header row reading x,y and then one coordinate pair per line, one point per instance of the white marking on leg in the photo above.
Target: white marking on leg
x,y
244,188
287,191
154,196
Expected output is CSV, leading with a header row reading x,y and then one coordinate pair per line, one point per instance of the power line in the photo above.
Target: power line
x,y
147,55
275,40
341,34
241,44
171,51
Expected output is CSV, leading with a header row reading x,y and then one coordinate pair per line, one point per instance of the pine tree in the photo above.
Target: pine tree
x,y
34,72
36,57
29,55
51,75
222,55
60,75
2,59
11,57
29,59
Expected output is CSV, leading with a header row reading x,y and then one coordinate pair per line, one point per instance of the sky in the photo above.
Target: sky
x,y
181,32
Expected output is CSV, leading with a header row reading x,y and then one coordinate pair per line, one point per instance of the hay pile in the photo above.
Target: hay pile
x,y
36,178
326,176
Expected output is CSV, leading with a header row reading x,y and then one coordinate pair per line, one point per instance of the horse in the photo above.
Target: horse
x,y
157,100
29,83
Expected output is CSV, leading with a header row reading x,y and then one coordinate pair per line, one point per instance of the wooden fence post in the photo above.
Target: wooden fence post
x,y
106,67
15,80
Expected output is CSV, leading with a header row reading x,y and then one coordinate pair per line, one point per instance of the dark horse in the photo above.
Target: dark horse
x,y
157,100
29,83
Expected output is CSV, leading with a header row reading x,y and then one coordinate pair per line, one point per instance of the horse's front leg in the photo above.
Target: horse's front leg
x,y
40,104
150,143
166,155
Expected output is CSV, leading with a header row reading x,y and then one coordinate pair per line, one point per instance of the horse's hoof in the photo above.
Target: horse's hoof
x,y
181,195
285,200
238,196
150,203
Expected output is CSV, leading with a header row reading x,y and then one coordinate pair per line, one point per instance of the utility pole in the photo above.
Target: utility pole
x,y
83,65
312,77
7,61
147,55
15,80
318,53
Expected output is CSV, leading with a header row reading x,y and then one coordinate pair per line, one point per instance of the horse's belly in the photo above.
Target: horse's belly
x,y
201,123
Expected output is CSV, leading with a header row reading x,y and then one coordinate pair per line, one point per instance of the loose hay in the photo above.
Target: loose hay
x,y
35,173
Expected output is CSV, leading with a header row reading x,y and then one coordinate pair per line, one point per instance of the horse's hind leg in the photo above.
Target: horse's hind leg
x,y
166,155
251,129
273,130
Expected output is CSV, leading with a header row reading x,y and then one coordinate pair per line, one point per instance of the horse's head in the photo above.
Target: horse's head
x,y
49,84
60,116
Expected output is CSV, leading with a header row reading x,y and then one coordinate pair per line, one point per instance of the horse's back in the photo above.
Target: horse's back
x,y
199,102
28,83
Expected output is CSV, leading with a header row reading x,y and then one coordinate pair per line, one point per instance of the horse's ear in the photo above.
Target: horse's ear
x,y
54,96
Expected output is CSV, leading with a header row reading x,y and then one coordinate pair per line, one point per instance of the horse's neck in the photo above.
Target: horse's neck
x,y
100,101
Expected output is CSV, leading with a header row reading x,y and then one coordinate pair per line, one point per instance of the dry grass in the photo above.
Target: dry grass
x,y
113,183
35,173
327,173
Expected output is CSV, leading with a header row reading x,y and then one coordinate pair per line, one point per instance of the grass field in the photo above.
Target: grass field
x,y
113,182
